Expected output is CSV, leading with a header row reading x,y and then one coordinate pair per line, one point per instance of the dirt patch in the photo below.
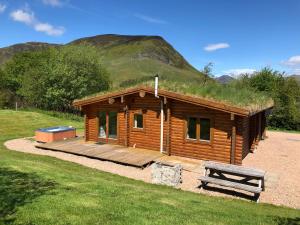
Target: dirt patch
x,y
279,156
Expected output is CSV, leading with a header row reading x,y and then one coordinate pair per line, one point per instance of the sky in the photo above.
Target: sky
x,y
235,35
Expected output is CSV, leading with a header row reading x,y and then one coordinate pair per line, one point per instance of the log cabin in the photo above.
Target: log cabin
x,y
174,123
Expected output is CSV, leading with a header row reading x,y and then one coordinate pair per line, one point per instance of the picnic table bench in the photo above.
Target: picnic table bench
x,y
239,177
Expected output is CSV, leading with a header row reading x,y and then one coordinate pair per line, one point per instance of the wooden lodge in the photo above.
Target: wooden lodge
x,y
173,123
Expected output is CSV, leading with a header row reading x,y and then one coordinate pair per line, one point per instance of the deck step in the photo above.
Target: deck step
x,y
256,190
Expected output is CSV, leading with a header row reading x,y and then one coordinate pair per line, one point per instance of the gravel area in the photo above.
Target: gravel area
x,y
279,155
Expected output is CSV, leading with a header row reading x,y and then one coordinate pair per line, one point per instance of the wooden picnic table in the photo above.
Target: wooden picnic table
x,y
243,178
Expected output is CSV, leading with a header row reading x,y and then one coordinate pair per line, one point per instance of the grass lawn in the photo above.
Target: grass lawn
x,y
44,190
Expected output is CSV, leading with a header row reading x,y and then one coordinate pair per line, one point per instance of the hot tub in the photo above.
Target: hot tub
x,y
51,134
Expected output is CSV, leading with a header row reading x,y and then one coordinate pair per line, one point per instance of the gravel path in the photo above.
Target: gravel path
x,y
279,155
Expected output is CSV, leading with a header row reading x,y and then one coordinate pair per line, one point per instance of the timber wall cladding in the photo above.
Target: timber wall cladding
x,y
246,133
218,149
174,128
242,139
92,120
149,136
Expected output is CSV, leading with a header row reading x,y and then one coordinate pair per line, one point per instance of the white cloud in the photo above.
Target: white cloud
x,y
49,29
237,72
150,19
54,3
292,61
214,47
27,16
23,16
2,8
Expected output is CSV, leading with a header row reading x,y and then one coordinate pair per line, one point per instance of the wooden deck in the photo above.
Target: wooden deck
x,y
114,153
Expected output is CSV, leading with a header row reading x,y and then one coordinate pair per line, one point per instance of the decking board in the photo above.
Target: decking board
x,y
114,153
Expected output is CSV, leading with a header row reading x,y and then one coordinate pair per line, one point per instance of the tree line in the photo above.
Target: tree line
x,y
284,90
51,79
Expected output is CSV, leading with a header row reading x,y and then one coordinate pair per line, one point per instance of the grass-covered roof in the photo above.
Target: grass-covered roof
x,y
230,95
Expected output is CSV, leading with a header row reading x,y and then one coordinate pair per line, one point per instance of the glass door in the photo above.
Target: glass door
x,y
108,125
112,125
102,124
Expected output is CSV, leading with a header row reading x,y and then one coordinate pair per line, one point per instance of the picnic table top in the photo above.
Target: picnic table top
x,y
234,169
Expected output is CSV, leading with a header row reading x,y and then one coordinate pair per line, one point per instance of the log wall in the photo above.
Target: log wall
x,y
175,123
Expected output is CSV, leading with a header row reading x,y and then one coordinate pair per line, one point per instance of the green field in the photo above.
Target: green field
x,y
44,190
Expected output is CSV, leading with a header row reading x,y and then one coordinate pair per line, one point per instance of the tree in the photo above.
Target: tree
x,y
207,72
6,96
53,78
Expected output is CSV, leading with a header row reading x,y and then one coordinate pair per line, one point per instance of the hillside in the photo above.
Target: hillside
x,y
297,77
127,57
7,52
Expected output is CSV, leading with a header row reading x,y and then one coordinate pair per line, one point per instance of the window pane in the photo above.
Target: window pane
x,y
205,129
138,120
112,126
102,124
191,129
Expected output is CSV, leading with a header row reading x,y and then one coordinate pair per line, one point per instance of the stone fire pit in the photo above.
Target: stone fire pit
x,y
167,174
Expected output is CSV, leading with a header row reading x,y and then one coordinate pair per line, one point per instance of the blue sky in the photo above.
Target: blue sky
x,y
236,35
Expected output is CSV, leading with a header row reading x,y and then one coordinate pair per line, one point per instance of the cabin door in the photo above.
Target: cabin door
x,y
108,126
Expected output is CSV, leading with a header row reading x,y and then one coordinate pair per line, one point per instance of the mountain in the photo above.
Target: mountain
x,y
297,77
7,52
224,79
127,57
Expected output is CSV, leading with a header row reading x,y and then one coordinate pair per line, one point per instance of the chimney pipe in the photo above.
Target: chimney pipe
x,y
156,86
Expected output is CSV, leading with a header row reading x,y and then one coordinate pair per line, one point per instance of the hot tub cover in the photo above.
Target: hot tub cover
x,y
56,129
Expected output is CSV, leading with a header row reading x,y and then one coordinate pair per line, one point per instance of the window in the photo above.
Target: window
x,y
192,128
138,121
198,129
204,129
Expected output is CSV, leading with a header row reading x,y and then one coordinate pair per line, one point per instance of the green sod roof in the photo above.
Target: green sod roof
x,y
227,94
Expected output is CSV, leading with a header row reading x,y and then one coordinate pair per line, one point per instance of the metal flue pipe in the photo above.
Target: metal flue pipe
x,y
161,115
156,86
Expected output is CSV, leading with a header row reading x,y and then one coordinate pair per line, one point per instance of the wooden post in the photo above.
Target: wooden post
x,y
85,128
256,130
233,139
264,122
168,121
259,127
126,126
107,124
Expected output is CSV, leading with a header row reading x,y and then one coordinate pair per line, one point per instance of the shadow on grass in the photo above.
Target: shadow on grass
x,y
229,192
17,189
287,221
